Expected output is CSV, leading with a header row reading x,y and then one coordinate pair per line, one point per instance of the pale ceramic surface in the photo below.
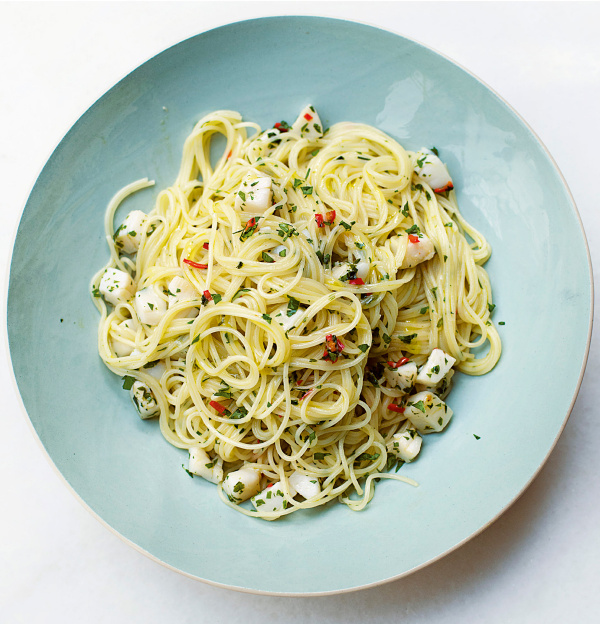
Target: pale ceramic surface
x,y
508,188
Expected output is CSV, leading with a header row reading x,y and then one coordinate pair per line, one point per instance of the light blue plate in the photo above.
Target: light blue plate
x,y
508,187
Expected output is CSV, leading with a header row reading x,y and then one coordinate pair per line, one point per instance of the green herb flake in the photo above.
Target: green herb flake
x,y
240,412
367,457
128,382
239,293
189,473
267,318
419,405
292,306
363,347
407,339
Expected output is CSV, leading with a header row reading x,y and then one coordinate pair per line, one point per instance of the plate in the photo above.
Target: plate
x,y
505,423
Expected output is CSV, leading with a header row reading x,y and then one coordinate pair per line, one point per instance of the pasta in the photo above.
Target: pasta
x,y
294,310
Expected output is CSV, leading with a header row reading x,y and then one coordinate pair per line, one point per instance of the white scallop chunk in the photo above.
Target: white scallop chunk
x,y
270,499
242,484
431,170
305,485
435,369
202,465
340,270
127,330
402,377
155,369
288,319
144,400
178,290
308,125
362,269
116,286
254,194
279,252
427,412
405,445
418,252
150,306
129,234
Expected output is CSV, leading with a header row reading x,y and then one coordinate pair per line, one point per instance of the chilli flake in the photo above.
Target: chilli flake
x,y
196,265
333,348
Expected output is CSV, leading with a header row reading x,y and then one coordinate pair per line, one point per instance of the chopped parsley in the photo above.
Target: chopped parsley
x,y
292,306
407,339
239,293
128,382
367,457
286,230
240,412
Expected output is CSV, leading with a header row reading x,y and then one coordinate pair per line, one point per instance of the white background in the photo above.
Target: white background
x,y
538,563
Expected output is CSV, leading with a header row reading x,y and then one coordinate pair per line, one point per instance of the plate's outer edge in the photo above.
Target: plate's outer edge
x,y
457,545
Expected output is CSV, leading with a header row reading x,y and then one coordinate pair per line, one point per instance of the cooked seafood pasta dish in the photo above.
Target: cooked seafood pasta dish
x,y
293,310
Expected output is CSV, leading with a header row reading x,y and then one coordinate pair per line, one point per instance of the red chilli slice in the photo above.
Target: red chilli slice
x,y
195,264
307,117
396,408
319,220
218,406
413,239
443,189
399,363
207,294
330,216
205,246
357,281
